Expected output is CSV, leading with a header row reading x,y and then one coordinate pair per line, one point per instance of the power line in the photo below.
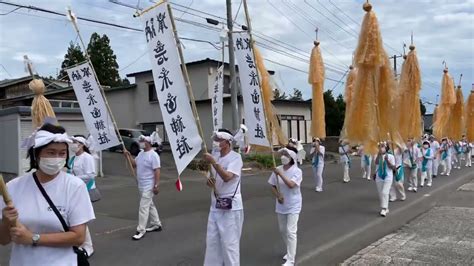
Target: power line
x,y
342,11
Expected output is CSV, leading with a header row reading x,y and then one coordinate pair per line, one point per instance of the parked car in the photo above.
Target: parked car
x,y
130,138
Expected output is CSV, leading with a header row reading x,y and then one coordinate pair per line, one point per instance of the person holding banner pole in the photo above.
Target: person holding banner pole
x,y
148,167
226,216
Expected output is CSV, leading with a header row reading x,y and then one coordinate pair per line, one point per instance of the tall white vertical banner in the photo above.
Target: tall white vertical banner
x,y
96,116
173,98
253,102
217,99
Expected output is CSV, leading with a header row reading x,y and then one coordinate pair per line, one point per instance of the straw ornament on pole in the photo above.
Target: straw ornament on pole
x,y
40,107
469,116
348,95
409,87
447,102
456,124
370,115
316,79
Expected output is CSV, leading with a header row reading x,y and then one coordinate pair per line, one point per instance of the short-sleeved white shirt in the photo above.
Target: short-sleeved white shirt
x,y
344,153
70,196
147,162
83,167
231,162
322,151
292,200
389,171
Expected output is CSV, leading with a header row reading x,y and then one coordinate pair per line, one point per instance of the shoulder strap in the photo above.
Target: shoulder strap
x,y
51,204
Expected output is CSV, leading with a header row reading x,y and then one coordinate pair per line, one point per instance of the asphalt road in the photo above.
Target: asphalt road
x,y
333,225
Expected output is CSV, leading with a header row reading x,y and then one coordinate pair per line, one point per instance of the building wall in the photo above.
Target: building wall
x,y
122,103
9,143
200,78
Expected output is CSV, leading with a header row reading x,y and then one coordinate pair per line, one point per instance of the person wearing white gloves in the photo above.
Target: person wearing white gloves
x,y
384,165
317,160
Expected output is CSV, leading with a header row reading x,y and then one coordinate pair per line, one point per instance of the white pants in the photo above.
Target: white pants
x,y
347,178
469,159
455,159
446,164
435,166
288,224
318,176
427,175
147,210
87,245
366,171
412,177
397,189
224,228
383,187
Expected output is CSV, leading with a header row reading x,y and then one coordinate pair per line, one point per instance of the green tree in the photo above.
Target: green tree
x,y
423,108
297,95
72,57
334,109
278,96
104,60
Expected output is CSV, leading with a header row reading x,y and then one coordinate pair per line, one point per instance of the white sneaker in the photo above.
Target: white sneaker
x,y
138,235
287,264
154,228
410,189
429,185
403,198
285,257
318,189
383,213
392,200
415,189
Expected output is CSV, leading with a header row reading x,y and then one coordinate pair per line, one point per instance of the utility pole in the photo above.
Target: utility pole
x,y
394,57
233,80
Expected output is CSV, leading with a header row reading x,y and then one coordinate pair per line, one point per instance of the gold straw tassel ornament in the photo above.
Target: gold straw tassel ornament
x,y
348,96
40,107
267,94
316,79
469,116
443,113
370,117
456,122
408,99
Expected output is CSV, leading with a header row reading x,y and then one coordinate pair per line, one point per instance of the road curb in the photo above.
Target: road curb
x,y
349,244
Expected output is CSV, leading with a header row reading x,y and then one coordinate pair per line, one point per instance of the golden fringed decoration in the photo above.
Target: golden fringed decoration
x,y
448,99
316,79
40,107
348,95
469,116
371,110
267,94
456,120
408,100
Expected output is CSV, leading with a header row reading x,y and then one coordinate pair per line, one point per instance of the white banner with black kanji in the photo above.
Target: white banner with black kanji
x,y
96,116
217,100
173,98
253,102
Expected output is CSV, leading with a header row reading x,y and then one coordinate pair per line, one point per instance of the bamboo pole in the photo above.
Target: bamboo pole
x,y
5,195
269,126
74,23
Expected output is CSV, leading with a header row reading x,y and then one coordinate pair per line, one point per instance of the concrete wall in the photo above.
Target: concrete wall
x,y
200,78
122,103
9,144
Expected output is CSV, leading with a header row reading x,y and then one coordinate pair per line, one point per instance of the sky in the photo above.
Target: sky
x,y
284,31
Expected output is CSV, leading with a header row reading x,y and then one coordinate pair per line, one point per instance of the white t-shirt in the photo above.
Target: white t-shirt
x,y
320,155
435,148
391,160
70,196
147,162
231,162
344,153
292,199
83,166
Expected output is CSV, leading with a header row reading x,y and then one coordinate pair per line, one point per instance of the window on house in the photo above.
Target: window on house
x,y
152,97
227,84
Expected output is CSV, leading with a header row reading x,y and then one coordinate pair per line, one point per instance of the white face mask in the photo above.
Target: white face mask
x,y
285,160
74,147
383,150
51,166
216,146
141,145
425,146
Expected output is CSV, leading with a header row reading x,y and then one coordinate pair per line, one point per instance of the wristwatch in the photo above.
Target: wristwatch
x,y
35,238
